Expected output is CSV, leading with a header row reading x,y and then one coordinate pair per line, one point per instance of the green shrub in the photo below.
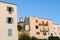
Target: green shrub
x,y
33,38
24,37
53,38
19,27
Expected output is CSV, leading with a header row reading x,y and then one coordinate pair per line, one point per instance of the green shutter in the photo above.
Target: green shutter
x,y
7,20
7,8
12,20
12,9
9,32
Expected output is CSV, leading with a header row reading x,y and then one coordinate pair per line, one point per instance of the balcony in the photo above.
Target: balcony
x,y
43,24
44,29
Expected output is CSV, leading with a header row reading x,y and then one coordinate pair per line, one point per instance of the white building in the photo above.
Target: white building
x,y
8,21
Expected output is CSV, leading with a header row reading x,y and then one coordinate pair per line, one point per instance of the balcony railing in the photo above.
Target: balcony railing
x,y
43,24
44,29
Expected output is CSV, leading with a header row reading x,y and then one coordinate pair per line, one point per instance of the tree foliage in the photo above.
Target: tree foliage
x,y
53,38
19,27
33,38
24,37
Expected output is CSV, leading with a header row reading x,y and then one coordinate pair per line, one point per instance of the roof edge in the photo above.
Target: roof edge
x,y
42,18
8,3
56,24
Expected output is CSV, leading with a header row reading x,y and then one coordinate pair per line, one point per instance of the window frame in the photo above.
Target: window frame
x,y
9,32
36,27
11,10
37,33
7,20
36,21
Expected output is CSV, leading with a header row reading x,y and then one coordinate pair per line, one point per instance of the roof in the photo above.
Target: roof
x,y
42,18
7,3
56,24
45,18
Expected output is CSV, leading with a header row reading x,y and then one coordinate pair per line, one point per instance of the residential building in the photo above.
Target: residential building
x,y
8,21
56,30
40,28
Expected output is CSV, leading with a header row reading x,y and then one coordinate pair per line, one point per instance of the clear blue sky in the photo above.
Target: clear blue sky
x,y
41,8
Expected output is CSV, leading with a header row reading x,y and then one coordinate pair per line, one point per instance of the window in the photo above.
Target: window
x,y
9,32
9,20
36,27
38,33
54,27
58,28
59,33
51,34
42,22
55,33
48,33
41,28
47,23
10,9
44,33
36,21
48,28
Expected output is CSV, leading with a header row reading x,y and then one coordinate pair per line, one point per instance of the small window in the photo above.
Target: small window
x,y
9,32
36,27
47,23
59,33
51,34
38,33
58,28
54,27
48,28
9,20
36,21
55,33
48,33
44,33
42,22
10,9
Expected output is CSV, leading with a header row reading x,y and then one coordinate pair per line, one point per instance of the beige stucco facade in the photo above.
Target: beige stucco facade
x,y
40,28
56,30
40,25
4,26
34,21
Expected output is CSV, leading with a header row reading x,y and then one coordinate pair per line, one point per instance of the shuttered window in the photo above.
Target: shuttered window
x,y
9,32
9,20
10,9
